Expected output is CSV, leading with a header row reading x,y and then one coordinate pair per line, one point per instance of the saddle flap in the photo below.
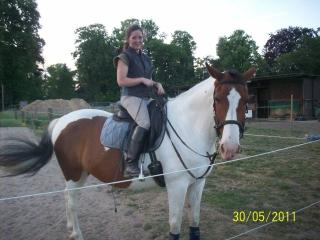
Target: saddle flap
x,y
157,129
120,121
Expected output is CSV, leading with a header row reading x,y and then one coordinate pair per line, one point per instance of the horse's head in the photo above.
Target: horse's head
x,y
230,98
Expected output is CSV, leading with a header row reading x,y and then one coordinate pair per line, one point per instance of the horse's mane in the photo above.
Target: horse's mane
x,y
235,75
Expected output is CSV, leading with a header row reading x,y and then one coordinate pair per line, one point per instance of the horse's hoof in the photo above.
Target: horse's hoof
x,y
194,233
76,236
174,236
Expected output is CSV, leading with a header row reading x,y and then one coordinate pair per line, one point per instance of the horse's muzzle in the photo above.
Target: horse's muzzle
x,y
229,150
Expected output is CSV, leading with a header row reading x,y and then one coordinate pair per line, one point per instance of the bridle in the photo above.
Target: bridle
x,y
218,124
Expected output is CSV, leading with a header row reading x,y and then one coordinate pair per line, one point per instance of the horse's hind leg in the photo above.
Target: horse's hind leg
x,y
72,206
194,197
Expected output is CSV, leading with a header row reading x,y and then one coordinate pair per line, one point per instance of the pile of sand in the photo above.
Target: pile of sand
x,y
57,105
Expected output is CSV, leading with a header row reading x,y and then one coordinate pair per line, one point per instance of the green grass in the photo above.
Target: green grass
x,y
37,122
7,119
286,180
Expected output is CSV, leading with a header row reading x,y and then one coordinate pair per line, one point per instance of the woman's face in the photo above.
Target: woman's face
x,y
136,40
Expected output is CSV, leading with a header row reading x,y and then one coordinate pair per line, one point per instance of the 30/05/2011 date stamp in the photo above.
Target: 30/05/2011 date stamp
x,y
264,216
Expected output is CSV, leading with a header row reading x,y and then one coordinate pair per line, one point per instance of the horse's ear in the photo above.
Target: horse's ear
x,y
249,74
214,72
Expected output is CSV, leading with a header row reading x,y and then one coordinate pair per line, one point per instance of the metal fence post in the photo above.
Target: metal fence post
x,y
50,114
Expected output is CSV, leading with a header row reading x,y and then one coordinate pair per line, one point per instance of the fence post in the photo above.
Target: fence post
x,y
2,96
22,116
291,108
50,114
32,121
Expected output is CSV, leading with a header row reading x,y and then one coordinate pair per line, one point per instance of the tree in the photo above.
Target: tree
x,y
59,82
239,51
20,50
185,45
150,29
284,41
200,69
166,60
304,59
184,40
94,61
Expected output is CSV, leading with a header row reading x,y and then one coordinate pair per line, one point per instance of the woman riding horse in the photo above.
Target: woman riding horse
x,y
134,76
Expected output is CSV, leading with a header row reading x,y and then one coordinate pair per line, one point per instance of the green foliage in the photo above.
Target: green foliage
x,y
304,59
285,41
173,62
94,61
184,40
239,51
59,82
186,45
166,60
20,50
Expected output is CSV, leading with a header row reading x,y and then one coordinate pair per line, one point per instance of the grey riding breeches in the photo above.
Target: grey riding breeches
x,y
138,110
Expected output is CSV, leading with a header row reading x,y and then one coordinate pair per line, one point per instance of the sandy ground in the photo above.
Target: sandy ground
x,y
43,217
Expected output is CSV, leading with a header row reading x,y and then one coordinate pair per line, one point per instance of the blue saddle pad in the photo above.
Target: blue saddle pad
x,y
114,133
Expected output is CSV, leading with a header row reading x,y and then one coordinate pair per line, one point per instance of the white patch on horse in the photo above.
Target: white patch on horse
x,y
231,131
74,116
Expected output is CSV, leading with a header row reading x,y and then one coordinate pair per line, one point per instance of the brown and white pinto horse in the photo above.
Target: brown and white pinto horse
x,y
219,101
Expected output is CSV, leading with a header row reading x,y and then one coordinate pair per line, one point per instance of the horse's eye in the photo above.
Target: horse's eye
x,y
216,99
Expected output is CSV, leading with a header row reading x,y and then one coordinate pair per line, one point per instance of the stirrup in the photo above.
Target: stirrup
x,y
141,175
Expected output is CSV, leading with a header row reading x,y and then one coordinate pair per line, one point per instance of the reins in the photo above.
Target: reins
x,y
211,157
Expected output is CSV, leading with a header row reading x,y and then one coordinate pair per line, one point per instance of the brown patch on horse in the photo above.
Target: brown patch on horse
x,y
78,149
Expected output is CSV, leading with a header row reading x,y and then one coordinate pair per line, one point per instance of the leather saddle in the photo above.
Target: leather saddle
x,y
157,113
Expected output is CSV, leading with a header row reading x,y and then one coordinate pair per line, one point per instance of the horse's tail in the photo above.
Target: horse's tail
x,y
20,155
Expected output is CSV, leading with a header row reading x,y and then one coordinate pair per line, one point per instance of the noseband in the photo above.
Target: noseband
x,y
219,125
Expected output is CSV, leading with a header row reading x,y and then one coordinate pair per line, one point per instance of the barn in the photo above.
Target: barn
x,y
277,96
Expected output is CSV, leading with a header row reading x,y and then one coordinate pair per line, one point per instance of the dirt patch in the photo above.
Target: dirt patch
x,y
57,105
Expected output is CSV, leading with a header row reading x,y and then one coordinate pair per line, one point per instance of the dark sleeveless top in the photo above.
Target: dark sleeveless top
x,y
139,65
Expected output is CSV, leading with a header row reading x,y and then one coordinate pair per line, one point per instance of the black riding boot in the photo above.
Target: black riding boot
x,y
134,150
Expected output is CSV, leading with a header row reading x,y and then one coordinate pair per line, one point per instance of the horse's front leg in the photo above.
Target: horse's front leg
x,y
177,190
194,197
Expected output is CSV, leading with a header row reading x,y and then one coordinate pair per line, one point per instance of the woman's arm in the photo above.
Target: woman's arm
x,y
124,81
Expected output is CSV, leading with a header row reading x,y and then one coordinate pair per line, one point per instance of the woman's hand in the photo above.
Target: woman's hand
x,y
148,82
159,88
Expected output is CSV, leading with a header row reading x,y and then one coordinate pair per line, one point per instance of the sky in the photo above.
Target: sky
x,y
205,20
